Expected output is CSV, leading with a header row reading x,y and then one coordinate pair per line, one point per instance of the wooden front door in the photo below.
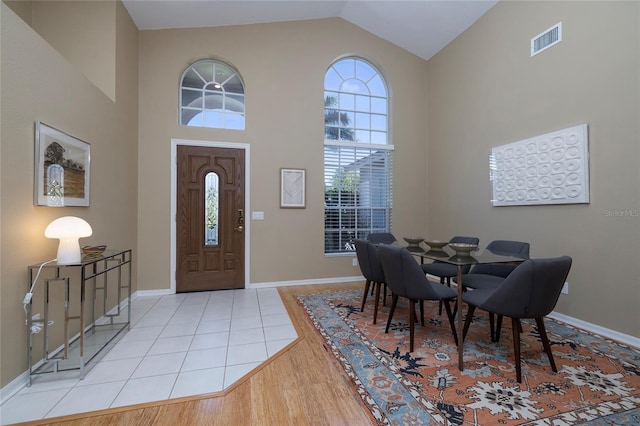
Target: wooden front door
x,y
209,218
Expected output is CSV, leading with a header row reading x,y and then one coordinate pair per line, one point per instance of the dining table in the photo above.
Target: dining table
x,y
461,260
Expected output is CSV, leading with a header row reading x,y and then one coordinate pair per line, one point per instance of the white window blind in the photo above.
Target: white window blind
x,y
358,196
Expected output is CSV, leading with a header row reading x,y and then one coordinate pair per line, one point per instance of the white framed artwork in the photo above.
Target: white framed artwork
x,y
548,169
62,168
292,188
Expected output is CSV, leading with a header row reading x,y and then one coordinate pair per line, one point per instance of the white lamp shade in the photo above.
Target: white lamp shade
x,y
68,229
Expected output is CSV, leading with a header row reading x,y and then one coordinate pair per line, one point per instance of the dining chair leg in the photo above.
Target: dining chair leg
x,y
545,343
447,307
412,313
491,327
440,305
375,308
515,325
364,297
422,313
499,328
394,301
384,299
467,321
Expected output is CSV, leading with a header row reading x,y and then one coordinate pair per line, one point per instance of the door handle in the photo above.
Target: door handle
x,y
240,221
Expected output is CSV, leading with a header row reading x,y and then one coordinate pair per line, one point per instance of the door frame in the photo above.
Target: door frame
x,y
174,189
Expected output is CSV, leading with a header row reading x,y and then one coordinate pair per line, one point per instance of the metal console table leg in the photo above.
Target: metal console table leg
x,y
96,273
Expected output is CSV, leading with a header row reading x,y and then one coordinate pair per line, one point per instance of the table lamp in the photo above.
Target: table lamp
x,y
68,229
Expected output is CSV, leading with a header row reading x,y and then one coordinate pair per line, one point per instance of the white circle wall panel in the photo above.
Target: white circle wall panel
x,y
547,169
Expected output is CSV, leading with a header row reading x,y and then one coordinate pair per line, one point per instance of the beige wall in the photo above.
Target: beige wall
x,y
485,90
38,83
22,8
283,67
84,33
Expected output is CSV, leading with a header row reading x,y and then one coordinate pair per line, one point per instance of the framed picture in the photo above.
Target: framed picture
x,y
62,168
292,188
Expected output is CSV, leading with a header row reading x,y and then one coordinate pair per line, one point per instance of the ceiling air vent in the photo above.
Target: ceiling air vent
x,y
546,39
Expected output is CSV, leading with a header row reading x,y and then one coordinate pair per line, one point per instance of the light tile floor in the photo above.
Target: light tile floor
x,y
179,345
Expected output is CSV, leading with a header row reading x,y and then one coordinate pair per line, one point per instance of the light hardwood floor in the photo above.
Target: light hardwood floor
x,y
302,385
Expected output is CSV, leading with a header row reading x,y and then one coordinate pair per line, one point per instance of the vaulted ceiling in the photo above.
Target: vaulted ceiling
x,y
422,27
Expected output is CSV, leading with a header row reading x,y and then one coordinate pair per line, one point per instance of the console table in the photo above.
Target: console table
x,y
110,270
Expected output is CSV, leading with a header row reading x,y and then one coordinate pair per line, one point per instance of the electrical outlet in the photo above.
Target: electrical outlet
x,y
565,288
354,262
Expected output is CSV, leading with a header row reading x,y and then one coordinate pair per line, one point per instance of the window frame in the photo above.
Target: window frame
x,y
370,151
213,91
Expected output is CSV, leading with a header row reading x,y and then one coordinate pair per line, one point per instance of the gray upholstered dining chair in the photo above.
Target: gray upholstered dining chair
x,y
530,291
445,271
381,238
406,279
371,269
491,275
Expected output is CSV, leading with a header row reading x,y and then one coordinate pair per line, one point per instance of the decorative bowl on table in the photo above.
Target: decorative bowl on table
x,y
436,244
413,241
93,251
463,249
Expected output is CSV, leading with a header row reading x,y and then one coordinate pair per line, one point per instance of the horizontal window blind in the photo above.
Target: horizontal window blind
x,y
358,192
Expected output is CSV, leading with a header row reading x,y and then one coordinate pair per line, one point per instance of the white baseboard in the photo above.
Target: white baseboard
x,y
152,293
596,329
13,387
156,293
306,282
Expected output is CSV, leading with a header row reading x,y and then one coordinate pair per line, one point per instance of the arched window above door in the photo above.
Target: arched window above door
x,y
212,95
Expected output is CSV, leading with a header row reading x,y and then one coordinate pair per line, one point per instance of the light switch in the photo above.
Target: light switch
x,y
257,215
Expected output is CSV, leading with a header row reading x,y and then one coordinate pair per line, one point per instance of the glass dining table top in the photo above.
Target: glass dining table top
x,y
448,255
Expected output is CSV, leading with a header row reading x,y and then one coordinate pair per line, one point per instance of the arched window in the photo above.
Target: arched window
x,y
212,95
357,154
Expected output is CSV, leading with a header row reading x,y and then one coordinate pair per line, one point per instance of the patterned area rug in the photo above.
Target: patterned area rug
x,y
598,381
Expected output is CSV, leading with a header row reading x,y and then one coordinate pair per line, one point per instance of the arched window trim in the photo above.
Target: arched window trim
x,y
209,99
373,110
